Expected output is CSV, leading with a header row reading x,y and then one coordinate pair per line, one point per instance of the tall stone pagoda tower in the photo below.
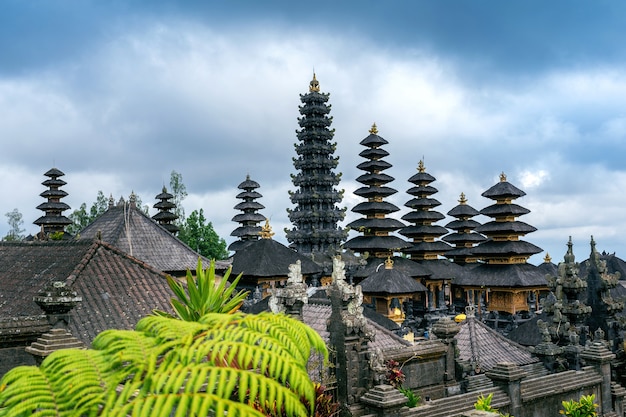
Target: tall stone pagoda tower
x,y
53,221
249,229
464,238
423,232
316,214
165,217
375,226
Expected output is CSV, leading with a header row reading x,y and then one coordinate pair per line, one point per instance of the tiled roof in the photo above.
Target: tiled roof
x,y
116,289
507,276
316,316
132,231
478,343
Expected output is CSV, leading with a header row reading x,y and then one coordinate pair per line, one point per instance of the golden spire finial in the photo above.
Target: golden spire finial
x,y
314,85
502,177
420,166
266,231
547,259
462,199
374,129
388,263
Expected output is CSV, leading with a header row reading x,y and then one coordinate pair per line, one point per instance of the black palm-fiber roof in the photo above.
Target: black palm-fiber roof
x,y
422,178
373,141
422,190
368,243
269,258
132,231
503,189
374,179
374,191
422,203
515,247
374,165
367,207
387,281
423,230
495,210
613,264
514,227
404,265
455,238
443,269
388,224
463,210
423,215
506,276
116,289
373,153
463,224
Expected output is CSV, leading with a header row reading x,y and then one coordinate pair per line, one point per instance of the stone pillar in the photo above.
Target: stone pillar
x,y
349,335
597,355
508,376
445,330
57,300
384,401
291,299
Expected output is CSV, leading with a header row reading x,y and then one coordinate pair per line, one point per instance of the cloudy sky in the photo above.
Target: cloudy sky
x,y
117,94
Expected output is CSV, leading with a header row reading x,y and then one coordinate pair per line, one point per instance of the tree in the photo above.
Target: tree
x,y
15,222
224,364
199,234
179,191
82,218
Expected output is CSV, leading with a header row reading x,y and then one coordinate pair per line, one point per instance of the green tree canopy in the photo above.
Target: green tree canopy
x,y
199,234
15,226
82,218
179,191
224,364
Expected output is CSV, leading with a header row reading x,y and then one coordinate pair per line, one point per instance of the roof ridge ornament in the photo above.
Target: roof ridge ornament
x,y
314,85
502,177
374,129
388,263
420,166
266,231
462,199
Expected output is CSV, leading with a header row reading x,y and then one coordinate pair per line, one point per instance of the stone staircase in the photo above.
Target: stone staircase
x,y
478,383
553,384
455,405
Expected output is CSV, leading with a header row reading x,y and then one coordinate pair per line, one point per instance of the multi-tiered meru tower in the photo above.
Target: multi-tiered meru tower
x,y
316,214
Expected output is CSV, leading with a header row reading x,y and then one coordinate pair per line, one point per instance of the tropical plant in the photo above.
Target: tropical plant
x,y
223,364
413,399
203,295
198,233
484,404
586,407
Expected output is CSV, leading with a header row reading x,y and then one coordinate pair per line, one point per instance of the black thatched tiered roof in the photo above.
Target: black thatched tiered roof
x,y
165,217
53,221
504,245
423,232
375,226
464,237
316,215
248,219
390,281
